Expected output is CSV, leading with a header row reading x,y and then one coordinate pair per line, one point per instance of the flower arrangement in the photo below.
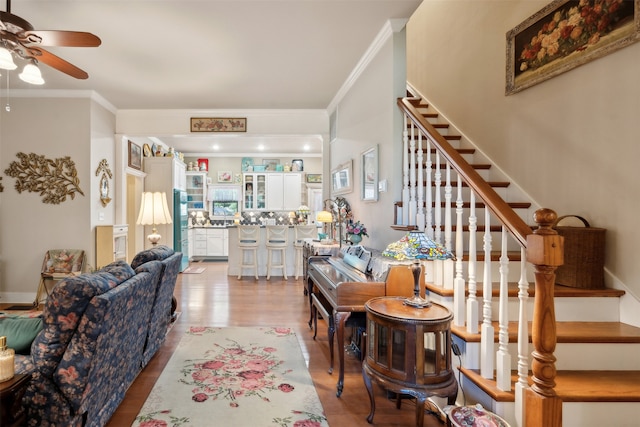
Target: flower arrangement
x,y
570,29
357,229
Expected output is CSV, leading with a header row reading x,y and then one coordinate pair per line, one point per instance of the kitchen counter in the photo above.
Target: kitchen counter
x,y
235,253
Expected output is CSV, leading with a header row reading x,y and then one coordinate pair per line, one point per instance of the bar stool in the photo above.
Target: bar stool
x,y
302,232
277,241
248,241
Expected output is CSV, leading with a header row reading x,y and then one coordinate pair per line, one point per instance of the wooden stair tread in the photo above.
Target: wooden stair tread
x,y
568,332
512,289
573,386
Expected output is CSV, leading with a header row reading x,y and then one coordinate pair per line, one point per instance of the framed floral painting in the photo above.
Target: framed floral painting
x,y
566,34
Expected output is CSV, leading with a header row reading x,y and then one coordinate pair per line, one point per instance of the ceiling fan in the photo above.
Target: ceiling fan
x,y
19,38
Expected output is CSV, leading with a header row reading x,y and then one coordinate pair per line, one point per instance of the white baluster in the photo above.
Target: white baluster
x,y
523,341
447,265
503,358
420,221
487,352
472,301
405,173
429,189
438,203
412,177
458,283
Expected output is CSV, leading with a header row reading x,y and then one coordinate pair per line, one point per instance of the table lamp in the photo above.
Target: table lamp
x,y
416,246
154,210
325,217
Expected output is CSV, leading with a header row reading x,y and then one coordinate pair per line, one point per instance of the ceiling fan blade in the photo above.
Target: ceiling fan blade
x,y
62,38
58,63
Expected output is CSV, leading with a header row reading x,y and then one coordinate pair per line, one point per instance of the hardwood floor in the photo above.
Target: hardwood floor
x,y
215,299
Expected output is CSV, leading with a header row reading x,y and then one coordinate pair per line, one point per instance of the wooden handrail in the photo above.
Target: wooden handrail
x,y
516,226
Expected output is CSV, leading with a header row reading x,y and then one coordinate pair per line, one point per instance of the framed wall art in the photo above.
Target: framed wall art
x,y
342,178
135,156
566,34
218,124
225,176
314,178
270,164
369,178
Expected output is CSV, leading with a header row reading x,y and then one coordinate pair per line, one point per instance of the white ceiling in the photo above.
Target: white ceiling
x,y
213,54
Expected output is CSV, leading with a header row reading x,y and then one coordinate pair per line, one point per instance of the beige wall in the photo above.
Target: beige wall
x,y
53,127
571,142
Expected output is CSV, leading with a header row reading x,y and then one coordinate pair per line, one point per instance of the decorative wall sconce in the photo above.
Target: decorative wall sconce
x,y
103,168
54,179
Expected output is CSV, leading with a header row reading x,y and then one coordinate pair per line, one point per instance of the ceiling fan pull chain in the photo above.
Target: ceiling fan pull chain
x,y
8,106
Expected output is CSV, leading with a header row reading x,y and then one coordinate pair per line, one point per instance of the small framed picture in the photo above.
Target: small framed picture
x,y
135,156
270,164
314,178
224,176
297,165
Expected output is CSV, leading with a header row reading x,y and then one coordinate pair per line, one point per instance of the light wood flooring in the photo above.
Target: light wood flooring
x,y
215,299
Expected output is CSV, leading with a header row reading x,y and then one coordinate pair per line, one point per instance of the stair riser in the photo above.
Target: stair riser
x,y
574,414
567,309
577,357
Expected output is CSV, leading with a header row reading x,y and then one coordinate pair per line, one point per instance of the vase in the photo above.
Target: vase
x,y
355,238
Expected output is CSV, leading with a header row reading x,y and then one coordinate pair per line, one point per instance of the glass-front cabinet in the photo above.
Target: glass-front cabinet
x,y
196,191
254,191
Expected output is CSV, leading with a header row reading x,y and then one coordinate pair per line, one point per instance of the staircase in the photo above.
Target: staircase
x,y
588,373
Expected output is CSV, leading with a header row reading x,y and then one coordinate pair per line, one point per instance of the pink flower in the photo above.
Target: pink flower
x,y
270,349
199,397
249,375
153,423
286,388
212,364
234,351
260,365
197,329
282,331
233,404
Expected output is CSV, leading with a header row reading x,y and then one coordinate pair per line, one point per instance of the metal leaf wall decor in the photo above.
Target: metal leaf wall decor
x,y
53,179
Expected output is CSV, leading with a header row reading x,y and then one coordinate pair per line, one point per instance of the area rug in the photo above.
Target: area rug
x,y
236,376
193,270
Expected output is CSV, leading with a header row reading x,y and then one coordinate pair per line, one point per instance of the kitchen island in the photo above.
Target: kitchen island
x,y
235,253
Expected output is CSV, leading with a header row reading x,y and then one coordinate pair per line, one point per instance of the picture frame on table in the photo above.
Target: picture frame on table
x,y
135,156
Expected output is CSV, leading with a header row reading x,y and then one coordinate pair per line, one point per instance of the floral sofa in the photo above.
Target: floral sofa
x,y
99,331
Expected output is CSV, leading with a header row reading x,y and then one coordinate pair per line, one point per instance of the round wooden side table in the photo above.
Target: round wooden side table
x,y
409,352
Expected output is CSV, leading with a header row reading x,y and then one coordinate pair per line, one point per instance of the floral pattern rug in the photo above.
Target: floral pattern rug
x,y
234,376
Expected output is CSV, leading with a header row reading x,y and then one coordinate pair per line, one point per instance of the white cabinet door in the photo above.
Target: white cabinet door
x,y
216,242
200,242
292,191
190,239
275,196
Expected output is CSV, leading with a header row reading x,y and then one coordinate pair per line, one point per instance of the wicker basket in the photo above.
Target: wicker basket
x,y
583,255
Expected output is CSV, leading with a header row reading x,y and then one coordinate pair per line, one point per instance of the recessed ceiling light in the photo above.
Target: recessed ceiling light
x,y
261,147
216,147
306,147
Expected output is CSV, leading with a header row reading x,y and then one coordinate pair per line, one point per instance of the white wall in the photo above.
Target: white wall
x,y
367,116
54,128
571,142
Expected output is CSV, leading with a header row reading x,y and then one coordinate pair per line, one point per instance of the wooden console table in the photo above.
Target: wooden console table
x,y
409,351
12,412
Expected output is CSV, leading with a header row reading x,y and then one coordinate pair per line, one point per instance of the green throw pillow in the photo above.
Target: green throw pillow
x,y
20,332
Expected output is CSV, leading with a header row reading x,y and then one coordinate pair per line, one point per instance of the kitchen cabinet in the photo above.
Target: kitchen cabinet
x,y
254,191
111,244
210,242
190,242
276,191
196,186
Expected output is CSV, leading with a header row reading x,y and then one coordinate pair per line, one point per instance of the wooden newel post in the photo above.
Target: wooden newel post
x,y
545,250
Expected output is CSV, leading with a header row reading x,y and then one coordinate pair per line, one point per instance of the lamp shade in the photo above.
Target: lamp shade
x,y
31,74
324,216
417,245
6,59
154,209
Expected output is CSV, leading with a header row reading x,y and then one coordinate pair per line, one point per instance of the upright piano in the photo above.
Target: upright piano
x,y
339,286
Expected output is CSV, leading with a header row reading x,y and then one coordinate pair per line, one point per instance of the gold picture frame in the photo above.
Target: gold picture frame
x,y
218,124
566,34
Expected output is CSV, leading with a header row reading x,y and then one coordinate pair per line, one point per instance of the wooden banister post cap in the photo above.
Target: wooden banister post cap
x,y
545,246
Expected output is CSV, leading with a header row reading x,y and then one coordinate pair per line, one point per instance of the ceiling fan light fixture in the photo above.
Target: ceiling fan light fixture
x,y
31,74
6,59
